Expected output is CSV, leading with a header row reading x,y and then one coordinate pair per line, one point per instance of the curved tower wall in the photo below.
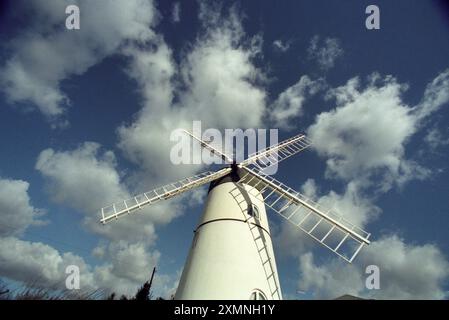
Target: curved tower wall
x,y
231,254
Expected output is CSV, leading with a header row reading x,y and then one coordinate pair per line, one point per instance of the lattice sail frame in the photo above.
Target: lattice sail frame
x,y
168,191
272,155
325,226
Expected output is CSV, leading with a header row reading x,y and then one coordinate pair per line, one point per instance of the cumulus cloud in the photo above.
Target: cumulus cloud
x,y
83,177
87,179
403,275
325,52
16,211
221,76
129,260
216,83
31,262
353,204
126,266
330,280
146,141
289,103
39,264
367,132
46,53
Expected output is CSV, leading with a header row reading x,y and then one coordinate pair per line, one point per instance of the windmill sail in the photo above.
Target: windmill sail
x,y
274,154
211,148
162,193
325,226
329,229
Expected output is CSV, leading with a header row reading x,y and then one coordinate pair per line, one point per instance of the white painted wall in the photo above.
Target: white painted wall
x,y
223,261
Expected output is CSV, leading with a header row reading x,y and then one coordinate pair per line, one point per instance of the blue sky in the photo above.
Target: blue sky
x,y
86,117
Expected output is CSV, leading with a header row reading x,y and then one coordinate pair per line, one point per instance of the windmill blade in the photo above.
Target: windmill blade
x,y
118,209
274,154
209,147
328,228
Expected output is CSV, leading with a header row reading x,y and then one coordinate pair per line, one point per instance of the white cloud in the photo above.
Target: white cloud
x,y
84,177
215,84
87,179
176,12
126,266
328,281
325,52
403,275
220,76
35,263
146,141
281,46
132,261
353,204
289,103
366,132
435,96
46,53
124,269
39,264
16,211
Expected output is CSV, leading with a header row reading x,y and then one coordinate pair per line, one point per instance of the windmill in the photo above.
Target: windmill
x,y
231,256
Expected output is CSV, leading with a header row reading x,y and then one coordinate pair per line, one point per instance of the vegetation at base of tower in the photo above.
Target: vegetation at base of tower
x,y
31,291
